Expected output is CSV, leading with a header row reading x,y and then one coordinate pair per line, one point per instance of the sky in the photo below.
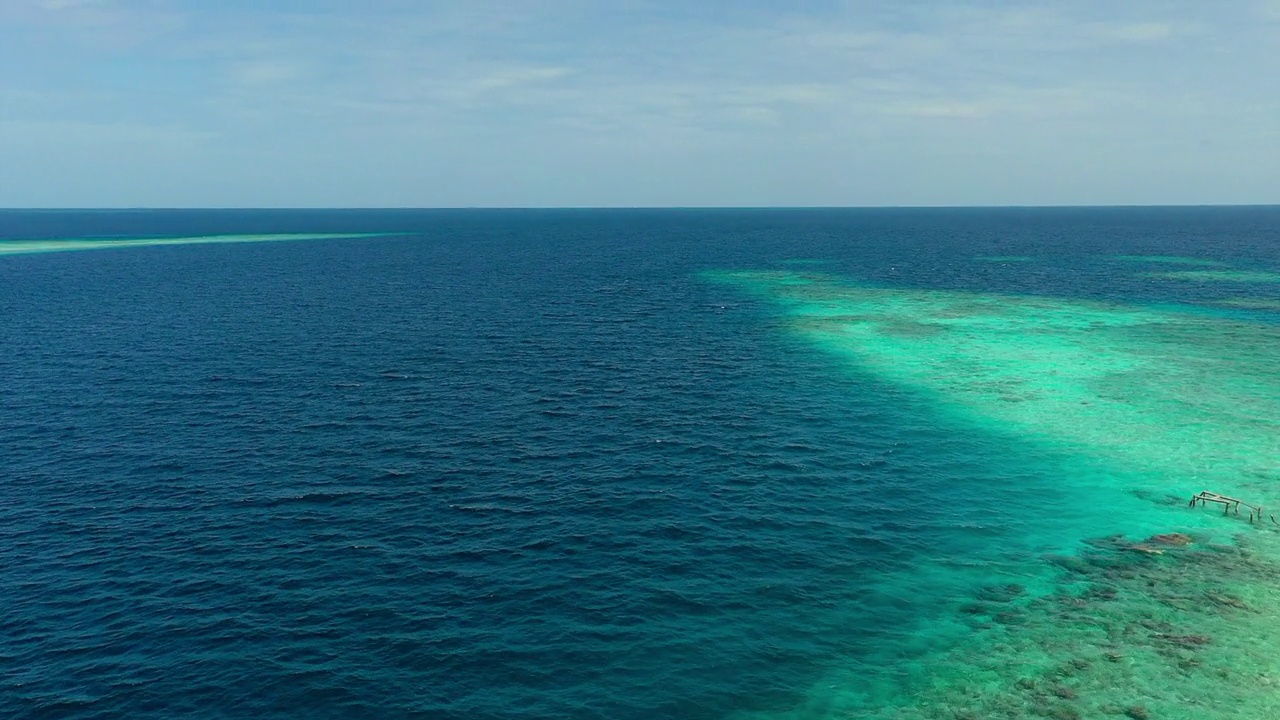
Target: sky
x,y
566,103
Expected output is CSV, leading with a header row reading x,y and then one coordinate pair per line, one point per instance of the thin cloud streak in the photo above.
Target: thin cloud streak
x,y
1064,103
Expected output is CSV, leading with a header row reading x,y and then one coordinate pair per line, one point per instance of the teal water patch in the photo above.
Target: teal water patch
x,y
1252,303
1007,258
805,261
1142,598
1219,276
27,247
1170,260
1142,387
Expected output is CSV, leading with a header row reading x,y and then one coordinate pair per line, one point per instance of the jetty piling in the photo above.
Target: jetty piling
x,y
1229,504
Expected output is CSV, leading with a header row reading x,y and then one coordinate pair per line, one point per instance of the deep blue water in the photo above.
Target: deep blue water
x,y
498,464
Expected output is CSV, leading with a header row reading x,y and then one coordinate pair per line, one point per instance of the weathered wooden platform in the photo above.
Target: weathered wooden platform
x,y
1229,504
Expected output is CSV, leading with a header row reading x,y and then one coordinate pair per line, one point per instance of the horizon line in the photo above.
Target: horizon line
x,y
285,208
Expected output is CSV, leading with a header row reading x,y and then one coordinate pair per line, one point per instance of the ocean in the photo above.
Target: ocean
x,y
736,464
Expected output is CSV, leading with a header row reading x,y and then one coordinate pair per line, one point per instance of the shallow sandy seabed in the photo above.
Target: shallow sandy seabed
x,y
1252,303
1236,276
1006,258
26,247
1126,603
1170,260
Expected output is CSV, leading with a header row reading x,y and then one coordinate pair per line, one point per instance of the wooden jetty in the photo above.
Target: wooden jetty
x,y
1229,504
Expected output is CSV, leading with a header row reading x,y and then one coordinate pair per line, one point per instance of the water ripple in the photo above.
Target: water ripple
x,y
509,466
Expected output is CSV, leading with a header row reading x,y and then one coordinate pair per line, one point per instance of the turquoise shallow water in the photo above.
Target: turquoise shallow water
x,y
695,464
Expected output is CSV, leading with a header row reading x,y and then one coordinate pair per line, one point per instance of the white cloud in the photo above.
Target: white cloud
x,y
886,80
265,72
519,76
1133,32
56,5
940,109
814,94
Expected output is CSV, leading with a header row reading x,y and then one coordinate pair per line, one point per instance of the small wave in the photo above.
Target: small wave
x,y
314,498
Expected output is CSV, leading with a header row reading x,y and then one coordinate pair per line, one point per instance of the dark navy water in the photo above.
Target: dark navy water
x,y
494,464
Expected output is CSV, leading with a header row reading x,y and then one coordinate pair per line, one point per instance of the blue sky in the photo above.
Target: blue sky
x,y
330,103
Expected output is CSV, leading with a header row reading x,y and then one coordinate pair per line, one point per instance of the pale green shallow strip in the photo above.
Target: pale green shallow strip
x,y
1006,258
26,247
1252,303
1239,276
1159,403
1170,260
1197,397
